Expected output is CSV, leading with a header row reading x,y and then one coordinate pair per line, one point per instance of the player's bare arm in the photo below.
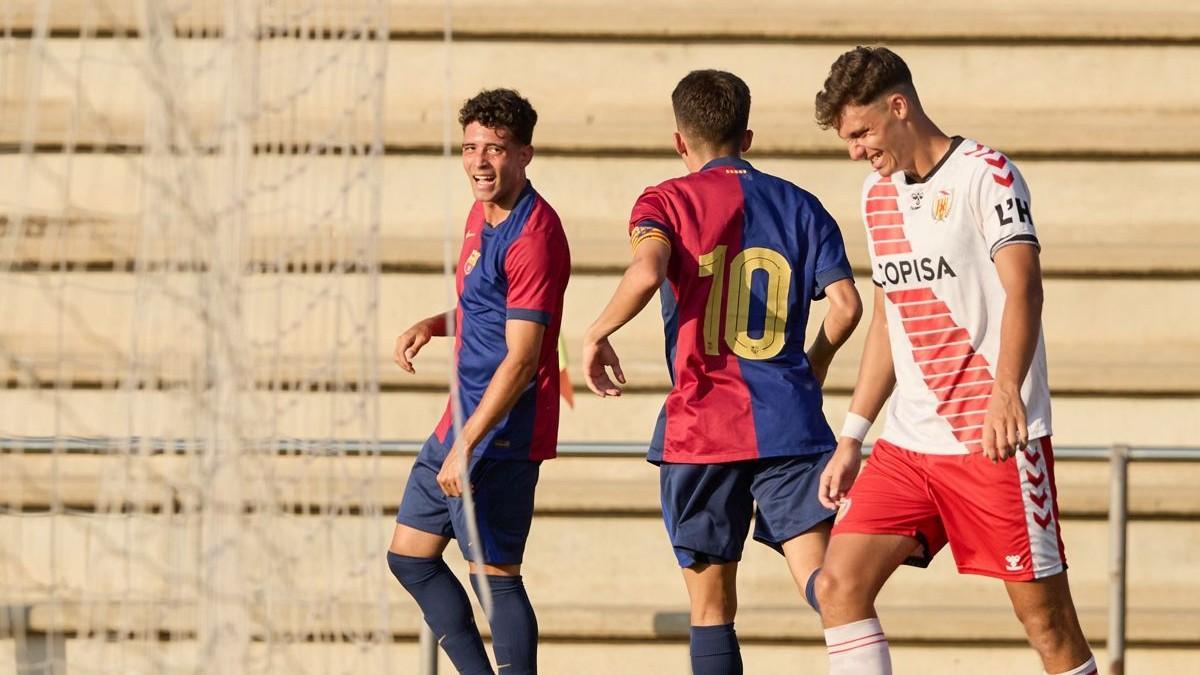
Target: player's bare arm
x,y
417,336
876,379
523,340
1004,426
845,310
641,281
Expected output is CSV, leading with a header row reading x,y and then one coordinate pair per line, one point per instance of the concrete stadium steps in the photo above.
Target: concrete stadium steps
x,y
1078,420
157,560
314,328
666,19
664,656
1087,221
573,485
1097,100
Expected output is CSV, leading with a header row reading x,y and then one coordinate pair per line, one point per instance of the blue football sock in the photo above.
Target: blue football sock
x,y
447,610
715,651
514,625
810,591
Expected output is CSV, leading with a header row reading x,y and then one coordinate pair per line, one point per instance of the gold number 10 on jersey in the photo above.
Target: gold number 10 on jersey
x,y
737,301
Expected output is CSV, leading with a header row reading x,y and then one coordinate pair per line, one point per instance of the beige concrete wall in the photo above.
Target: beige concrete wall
x,y
87,208
1096,333
1127,19
1096,99
583,658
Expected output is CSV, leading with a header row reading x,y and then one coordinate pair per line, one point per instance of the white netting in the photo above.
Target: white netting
x,y
189,212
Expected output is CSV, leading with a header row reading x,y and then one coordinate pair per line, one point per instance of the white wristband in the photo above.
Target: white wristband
x,y
856,427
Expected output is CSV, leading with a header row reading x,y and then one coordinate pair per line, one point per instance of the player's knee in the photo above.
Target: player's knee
x,y
1049,631
412,570
833,587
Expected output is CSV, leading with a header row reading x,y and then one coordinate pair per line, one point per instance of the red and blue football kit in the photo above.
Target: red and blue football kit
x,y
742,431
515,269
749,252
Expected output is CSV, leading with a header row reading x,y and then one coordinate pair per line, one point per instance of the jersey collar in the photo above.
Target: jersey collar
x,y
526,193
909,179
727,160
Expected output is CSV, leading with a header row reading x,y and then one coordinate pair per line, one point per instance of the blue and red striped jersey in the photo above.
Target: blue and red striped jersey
x,y
749,252
516,269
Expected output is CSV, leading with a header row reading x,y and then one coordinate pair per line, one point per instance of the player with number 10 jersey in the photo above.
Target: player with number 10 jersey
x,y
741,436
750,252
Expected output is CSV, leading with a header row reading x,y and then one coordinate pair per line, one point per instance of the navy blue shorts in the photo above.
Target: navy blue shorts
x,y
503,491
707,507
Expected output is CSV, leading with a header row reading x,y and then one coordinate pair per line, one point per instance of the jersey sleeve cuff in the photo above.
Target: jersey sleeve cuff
x,y
534,315
1022,238
829,276
647,230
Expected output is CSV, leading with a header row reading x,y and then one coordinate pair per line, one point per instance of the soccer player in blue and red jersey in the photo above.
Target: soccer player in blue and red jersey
x,y
745,253
512,274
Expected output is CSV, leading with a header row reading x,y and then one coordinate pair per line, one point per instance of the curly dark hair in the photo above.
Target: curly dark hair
x,y
712,106
858,77
496,108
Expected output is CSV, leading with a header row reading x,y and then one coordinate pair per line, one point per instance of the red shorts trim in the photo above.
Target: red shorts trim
x,y
1000,520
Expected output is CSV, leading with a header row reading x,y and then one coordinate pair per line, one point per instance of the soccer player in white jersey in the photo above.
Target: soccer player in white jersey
x,y
956,340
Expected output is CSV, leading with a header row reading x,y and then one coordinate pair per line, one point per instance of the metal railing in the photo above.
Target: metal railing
x,y
1118,457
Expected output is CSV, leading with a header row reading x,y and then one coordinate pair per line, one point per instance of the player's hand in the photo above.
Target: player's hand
x,y
409,343
840,472
1004,428
453,467
598,357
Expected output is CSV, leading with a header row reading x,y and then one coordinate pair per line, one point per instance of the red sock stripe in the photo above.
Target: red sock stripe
x,y
879,639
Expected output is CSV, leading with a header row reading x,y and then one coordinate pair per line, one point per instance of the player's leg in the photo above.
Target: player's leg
x,y
887,520
1002,521
805,554
415,558
712,590
707,510
504,498
856,568
790,518
1047,612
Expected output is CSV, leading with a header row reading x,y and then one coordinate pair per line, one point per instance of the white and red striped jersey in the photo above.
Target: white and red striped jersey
x,y
932,245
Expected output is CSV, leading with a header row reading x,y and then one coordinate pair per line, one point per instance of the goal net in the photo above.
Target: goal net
x,y
190,198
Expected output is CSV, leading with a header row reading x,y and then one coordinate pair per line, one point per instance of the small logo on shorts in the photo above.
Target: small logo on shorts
x,y
1014,563
843,509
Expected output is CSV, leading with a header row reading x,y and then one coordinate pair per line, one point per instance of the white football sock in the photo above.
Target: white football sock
x,y
858,648
1088,668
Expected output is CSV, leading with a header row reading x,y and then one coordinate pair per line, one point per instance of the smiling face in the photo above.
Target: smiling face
x,y
877,133
495,163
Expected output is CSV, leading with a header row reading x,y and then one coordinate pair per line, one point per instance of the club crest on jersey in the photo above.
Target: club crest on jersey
x,y
941,205
470,263
917,198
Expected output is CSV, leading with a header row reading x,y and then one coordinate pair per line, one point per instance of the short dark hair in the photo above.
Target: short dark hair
x,y
496,108
712,106
859,77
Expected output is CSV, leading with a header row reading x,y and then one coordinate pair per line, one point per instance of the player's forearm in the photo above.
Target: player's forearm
x,y
438,324
845,310
1020,326
511,379
876,372
638,285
